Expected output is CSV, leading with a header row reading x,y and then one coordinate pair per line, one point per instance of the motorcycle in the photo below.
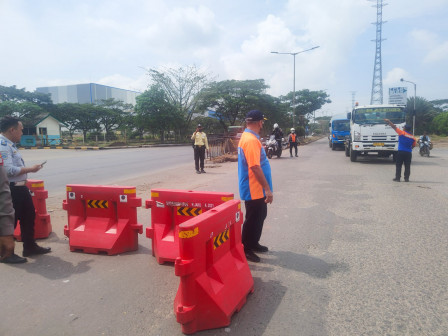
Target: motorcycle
x,y
272,147
425,147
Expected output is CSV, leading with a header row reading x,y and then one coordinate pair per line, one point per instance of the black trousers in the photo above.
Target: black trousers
x,y
291,145
406,158
199,156
256,212
25,213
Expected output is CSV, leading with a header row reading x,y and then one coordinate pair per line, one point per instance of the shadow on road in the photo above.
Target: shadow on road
x,y
302,263
57,268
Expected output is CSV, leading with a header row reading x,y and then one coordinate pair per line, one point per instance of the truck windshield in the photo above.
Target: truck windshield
x,y
376,115
341,125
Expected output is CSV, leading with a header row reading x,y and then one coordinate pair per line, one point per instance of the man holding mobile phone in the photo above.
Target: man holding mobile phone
x,y
11,131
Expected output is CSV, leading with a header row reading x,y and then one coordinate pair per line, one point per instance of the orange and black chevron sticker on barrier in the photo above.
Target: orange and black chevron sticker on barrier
x,y
185,211
97,204
220,239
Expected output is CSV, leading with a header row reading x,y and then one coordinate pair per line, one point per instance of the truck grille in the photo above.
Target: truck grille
x,y
379,138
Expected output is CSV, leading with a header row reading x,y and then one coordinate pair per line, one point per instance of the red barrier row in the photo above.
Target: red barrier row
x,y
215,278
169,209
102,218
42,223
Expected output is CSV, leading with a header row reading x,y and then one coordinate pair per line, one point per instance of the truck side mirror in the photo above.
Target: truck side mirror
x,y
349,115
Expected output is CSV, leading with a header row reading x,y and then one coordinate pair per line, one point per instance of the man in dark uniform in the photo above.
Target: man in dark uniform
x,y
12,130
406,142
7,254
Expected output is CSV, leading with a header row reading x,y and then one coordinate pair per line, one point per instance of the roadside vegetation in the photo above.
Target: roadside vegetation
x,y
178,99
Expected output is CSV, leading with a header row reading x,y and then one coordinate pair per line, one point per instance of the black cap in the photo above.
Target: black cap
x,y
255,115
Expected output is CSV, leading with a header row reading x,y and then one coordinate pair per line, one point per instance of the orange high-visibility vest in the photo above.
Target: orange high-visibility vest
x,y
293,137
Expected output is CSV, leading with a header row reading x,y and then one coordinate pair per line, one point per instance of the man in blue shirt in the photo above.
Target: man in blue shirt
x,y
406,142
12,130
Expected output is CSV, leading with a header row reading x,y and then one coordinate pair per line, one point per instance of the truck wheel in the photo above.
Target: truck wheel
x,y
353,155
347,151
333,146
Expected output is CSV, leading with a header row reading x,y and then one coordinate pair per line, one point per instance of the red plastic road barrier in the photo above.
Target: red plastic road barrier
x,y
214,275
169,209
42,223
102,218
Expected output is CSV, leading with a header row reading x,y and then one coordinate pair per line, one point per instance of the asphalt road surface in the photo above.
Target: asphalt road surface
x,y
351,252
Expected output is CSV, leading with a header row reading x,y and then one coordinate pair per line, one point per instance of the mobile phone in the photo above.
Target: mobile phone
x,y
43,163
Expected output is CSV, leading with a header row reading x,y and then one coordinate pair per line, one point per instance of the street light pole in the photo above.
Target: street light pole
x,y
294,80
415,98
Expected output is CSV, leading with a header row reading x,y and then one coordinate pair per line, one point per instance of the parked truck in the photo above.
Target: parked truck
x,y
339,128
370,134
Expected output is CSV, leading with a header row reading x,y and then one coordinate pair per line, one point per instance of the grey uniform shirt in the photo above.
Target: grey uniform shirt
x,y
6,209
12,160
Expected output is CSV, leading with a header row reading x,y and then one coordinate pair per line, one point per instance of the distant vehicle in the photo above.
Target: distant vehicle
x,y
370,134
339,127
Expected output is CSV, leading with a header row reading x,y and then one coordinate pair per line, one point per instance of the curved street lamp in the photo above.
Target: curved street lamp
x,y
294,83
415,98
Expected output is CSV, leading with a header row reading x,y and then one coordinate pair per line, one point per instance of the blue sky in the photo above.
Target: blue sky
x,y
51,42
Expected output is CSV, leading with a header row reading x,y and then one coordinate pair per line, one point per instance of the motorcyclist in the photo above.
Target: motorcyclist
x,y
278,133
424,138
293,141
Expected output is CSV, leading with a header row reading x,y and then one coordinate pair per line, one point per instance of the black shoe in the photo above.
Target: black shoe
x,y
396,179
260,248
35,250
198,172
297,155
251,256
202,171
291,155
14,259
406,180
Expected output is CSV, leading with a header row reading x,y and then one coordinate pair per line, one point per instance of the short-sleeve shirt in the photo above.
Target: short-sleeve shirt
x,y
405,141
12,160
251,153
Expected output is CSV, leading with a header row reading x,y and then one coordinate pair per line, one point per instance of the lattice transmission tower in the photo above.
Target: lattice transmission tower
x,y
377,82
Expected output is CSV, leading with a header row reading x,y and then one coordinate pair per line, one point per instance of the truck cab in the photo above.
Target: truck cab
x,y
370,134
339,128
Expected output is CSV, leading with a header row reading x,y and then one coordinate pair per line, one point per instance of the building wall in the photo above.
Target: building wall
x,y
88,93
52,126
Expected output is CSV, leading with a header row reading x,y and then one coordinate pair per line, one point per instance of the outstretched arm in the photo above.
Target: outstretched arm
x,y
391,124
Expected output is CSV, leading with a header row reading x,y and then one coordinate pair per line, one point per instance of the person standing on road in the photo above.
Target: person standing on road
x,y
7,254
406,142
293,141
12,130
255,184
200,145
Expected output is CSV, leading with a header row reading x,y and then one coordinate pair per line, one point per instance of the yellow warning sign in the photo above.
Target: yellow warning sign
x,y
185,211
189,233
97,204
220,239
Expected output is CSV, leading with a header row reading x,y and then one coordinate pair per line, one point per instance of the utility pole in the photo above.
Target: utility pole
x,y
353,98
377,82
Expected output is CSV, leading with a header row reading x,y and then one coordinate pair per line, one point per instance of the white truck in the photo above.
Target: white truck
x,y
370,134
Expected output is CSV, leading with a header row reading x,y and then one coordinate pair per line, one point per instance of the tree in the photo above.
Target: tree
x,y
155,112
232,99
13,94
181,87
23,110
110,114
306,102
424,114
440,124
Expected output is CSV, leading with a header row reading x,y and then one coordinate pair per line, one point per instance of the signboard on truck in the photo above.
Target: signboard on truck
x,y
398,95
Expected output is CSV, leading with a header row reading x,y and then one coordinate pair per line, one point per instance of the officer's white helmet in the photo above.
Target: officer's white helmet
x,y
292,130
275,125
